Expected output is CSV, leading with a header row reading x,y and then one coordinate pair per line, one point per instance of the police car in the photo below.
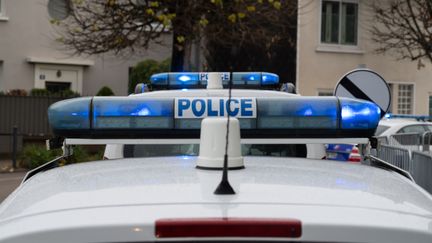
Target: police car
x,y
220,194
399,124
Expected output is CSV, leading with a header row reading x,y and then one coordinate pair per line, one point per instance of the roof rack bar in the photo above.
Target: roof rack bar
x,y
84,141
377,162
67,151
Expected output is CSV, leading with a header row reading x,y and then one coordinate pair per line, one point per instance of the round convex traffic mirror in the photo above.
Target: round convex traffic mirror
x,y
367,85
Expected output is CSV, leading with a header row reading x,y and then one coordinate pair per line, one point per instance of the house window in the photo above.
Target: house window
x,y
405,99
430,105
1,73
58,9
325,92
1,8
57,87
339,20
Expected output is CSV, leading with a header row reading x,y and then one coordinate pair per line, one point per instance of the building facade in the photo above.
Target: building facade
x,y
31,58
334,38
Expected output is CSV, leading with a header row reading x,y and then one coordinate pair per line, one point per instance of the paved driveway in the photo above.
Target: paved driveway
x,y
8,183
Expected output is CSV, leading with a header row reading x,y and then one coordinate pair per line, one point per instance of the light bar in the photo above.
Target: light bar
x,y
120,113
301,113
190,79
142,117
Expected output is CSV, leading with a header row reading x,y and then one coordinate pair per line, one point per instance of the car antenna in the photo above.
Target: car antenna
x,y
224,187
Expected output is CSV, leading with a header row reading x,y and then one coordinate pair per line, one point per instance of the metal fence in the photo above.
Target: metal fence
x,y
28,114
411,141
396,156
421,169
405,153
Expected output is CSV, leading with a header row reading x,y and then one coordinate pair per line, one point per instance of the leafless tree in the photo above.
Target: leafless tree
x,y
404,27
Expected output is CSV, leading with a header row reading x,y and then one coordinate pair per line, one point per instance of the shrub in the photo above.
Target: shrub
x,y
34,155
105,91
39,92
67,93
143,70
17,92
44,92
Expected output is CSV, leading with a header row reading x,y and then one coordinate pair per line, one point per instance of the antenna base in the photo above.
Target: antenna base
x,y
224,188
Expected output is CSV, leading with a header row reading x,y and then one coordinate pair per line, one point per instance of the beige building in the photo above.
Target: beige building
x,y
30,58
333,38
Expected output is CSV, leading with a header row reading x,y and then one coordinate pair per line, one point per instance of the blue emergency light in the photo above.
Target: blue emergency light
x,y
143,117
407,116
191,79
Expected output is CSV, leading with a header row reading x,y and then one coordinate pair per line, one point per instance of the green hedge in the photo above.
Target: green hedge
x,y
44,92
34,155
105,91
143,70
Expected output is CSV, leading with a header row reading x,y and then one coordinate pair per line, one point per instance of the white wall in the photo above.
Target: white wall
x,y
28,33
320,67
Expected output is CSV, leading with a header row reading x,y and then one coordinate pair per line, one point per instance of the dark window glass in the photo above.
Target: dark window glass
x,y
55,87
349,24
58,9
277,150
330,22
412,129
339,21
430,105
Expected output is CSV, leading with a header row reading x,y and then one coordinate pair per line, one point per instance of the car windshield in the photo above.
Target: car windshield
x,y
277,150
380,129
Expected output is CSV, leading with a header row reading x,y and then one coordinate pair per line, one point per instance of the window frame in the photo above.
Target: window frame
x,y
398,90
394,89
430,103
3,16
339,47
402,130
324,92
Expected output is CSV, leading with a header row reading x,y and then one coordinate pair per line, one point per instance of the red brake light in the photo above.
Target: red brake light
x,y
227,227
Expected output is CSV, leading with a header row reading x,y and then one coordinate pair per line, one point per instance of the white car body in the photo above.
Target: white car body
x,y
415,132
399,125
120,201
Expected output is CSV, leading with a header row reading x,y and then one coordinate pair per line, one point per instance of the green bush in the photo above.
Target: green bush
x,y
33,156
67,94
39,92
105,91
44,92
143,70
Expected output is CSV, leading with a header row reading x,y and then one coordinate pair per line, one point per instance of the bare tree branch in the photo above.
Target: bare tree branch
x,y
404,27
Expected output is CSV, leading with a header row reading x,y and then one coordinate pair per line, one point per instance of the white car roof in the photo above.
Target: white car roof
x,y
395,124
326,196
402,122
